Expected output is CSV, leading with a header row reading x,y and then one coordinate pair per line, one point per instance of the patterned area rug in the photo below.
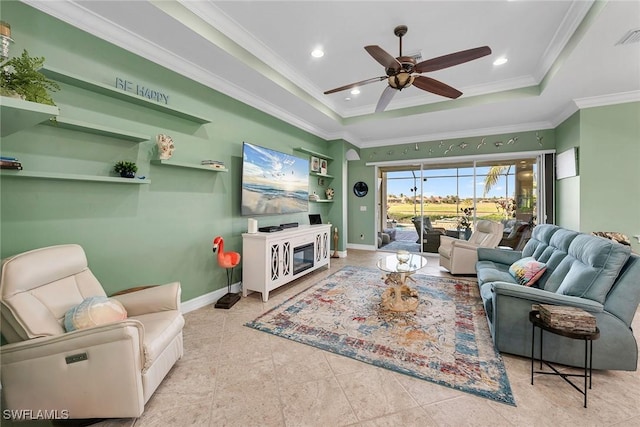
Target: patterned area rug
x,y
446,341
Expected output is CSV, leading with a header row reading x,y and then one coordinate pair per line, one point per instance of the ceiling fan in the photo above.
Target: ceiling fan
x,y
402,71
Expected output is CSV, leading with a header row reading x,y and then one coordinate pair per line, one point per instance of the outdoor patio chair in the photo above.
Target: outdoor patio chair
x,y
430,234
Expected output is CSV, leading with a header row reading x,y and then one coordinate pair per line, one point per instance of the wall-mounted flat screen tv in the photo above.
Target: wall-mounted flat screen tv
x,y
273,182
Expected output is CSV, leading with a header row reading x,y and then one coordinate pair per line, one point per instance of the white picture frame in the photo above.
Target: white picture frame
x,y
323,167
567,164
315,164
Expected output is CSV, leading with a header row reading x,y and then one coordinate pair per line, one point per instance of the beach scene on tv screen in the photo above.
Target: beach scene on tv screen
x,y
273,182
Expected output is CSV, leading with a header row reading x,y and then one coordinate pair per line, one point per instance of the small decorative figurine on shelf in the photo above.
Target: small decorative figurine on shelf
x,y
165,146
329,192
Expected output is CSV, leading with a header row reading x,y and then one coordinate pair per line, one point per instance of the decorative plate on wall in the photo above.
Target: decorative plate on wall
x,y
360,189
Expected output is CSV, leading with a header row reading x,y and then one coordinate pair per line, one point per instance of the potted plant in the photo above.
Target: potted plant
x,y
126,169
464,224
19,77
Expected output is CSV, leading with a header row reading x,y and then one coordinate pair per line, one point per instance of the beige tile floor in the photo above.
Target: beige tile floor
x,y
232,375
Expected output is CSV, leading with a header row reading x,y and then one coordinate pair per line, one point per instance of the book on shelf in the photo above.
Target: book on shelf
x,y
214,164
211,162
10,164
8,158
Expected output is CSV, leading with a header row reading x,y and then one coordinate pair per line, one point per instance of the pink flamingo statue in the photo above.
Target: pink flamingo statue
x,y
228,260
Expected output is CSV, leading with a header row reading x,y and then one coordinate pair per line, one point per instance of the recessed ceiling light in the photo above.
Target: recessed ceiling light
x,y
317,53
355,91
347,99
500,61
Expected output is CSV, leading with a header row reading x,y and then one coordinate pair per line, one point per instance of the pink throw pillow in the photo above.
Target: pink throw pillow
x,y
527,270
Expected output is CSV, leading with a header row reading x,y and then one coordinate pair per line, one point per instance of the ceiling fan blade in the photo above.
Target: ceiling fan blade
x,y
434,86
385,98
384,58
349,86
452,59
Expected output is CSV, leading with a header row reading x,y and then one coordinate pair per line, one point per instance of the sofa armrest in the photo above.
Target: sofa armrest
x,y
499,256
152,299
539,296
90,373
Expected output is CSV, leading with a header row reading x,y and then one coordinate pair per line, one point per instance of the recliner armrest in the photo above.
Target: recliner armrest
x,y
446,241
463,244
90,373
151,300
73,341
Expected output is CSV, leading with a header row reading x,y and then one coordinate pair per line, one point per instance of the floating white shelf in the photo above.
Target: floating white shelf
x,y
319,175
313,153
187,165
75,80
71,177
17,114
78,125
321,201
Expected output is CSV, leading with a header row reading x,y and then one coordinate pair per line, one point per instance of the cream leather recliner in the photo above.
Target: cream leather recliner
x,y
107,371
460,256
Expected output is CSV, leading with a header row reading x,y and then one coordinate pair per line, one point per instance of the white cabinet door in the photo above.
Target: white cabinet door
x,y
281,263
322,247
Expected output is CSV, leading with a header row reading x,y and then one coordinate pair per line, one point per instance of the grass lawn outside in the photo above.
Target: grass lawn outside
x,y
443,214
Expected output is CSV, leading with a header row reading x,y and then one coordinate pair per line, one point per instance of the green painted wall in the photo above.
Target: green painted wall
x,y
361,223
609,161
136,234
568,189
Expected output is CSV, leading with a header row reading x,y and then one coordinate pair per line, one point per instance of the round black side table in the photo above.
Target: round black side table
x,y
588,337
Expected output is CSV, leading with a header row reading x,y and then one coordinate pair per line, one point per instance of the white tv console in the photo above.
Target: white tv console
x,y
270,260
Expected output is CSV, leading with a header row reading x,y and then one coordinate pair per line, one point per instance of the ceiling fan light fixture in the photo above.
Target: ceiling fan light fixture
x,y
401,80
404,71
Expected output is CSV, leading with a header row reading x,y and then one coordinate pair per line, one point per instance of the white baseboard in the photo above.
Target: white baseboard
x,y
361,247
208,298
341,254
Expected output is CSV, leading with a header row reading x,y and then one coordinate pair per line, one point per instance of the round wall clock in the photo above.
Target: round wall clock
x,y
360,189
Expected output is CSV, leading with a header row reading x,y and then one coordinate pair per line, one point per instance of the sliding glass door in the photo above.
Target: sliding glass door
x,y
448,194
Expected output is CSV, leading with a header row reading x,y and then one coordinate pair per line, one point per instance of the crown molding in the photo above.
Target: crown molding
x,y
612,99
86,20
218,19
558,118
575,15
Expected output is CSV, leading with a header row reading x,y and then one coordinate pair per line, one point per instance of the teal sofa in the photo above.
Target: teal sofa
x,y
585,271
